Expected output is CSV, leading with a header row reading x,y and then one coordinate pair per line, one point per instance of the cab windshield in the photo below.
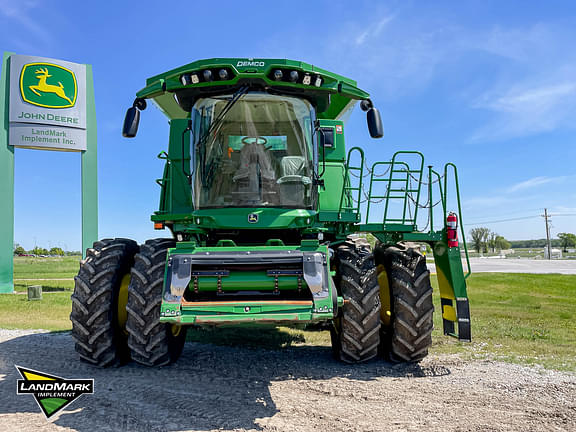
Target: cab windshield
x,y
258,152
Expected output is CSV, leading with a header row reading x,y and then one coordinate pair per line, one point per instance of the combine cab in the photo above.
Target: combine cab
x,y
269,217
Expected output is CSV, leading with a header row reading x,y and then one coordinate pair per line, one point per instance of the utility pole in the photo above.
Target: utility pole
x,y
546,217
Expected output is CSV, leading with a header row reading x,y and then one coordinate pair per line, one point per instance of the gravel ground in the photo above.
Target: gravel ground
x,y
297,389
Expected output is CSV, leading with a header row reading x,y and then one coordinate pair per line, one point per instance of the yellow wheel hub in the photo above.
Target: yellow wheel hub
x,y
123,301
175,329
385,307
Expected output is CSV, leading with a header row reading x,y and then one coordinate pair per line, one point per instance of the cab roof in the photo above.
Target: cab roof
x,y
176,90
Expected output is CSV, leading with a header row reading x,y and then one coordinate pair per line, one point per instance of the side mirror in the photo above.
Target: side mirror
x,y
373,118
131,121
374,123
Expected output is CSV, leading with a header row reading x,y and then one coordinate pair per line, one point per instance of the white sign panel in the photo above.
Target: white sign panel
x,y
47,137
47,103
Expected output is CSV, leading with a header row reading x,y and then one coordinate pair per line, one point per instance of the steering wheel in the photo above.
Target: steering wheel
x,y
254,140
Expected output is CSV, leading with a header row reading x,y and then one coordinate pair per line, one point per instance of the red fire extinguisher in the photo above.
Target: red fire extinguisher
x,y
452,230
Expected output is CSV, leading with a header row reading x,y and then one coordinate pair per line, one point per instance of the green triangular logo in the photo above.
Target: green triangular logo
x,y
52,393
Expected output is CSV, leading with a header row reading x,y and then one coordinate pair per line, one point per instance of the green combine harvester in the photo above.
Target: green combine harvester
x,y
270,217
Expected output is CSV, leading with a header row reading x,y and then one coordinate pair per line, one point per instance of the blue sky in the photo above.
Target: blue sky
x,y
488,85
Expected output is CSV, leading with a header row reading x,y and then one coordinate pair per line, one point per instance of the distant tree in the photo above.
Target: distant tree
x,y
56,251
19,250
479,238
491,240
39,251
567,240
501,243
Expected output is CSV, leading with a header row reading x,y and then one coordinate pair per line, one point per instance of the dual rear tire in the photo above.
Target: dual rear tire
x,y
387,303
116,305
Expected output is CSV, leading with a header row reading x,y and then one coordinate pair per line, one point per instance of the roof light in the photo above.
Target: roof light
x,y
195,79
318,81
223,74
207,75
307,79
294,76
278,74
185,79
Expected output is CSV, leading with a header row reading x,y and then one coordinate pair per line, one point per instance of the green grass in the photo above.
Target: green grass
x,y
46,268
529,319
520,318
50,313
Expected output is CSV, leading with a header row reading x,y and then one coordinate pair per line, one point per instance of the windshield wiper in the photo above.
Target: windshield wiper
x,y
216,123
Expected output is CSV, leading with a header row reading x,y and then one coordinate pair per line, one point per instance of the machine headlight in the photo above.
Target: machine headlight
x,y
223,74
294,76
278,74
207,75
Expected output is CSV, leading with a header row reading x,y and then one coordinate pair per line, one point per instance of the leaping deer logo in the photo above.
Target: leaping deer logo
x,y
42,75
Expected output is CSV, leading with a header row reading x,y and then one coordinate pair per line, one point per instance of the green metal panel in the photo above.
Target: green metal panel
x,y
6,186
253,279
90,170
224,218
338,152
331,98
334,182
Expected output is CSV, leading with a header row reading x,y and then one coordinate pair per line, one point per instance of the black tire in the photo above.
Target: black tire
x,y
99,340
409,335
355,333
151,342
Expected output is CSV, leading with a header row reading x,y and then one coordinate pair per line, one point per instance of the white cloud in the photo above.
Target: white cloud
x,y
19,11
494,201
531,183
527,109
374,30
534,84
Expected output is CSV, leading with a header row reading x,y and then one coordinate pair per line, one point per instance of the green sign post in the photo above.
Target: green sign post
x,y
45,104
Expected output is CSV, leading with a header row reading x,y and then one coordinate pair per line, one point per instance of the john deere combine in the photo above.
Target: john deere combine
x,y
268,215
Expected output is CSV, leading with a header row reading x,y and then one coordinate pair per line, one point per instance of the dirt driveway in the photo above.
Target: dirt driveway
x,y
296,389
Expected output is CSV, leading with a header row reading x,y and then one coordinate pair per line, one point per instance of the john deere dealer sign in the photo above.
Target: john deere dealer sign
x,y
47,103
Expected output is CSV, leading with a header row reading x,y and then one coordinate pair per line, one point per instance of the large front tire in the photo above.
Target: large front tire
x,y
151,342
96,315
408,335
355,334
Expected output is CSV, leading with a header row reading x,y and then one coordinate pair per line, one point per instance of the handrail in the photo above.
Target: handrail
x,y
455,171
372,180
347,180
409,172
394,164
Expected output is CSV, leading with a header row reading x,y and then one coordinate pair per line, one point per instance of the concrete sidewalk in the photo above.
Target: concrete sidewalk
x,y
518,265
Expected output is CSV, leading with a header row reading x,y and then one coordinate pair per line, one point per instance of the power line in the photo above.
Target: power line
x,y
502,220
519,218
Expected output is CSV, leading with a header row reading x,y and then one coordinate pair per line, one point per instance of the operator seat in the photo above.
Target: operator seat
x,y
255,178
293,183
